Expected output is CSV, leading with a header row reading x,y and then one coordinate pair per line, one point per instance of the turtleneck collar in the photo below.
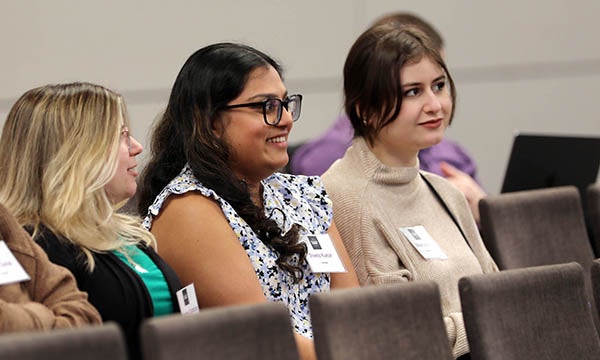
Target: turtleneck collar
x,y
379,172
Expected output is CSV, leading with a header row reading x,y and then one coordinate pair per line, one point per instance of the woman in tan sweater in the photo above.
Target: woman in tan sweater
x,y
399,223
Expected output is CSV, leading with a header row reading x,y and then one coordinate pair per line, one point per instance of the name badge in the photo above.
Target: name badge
x,y
423,242
322,255
10,269
186,297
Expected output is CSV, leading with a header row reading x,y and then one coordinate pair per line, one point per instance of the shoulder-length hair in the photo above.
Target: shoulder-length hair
x,y
372,81
211,78
58,150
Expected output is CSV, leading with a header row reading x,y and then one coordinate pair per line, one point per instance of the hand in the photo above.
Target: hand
x,y
467,185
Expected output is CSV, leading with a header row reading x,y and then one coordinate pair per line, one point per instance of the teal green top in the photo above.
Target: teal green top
x,y
152,277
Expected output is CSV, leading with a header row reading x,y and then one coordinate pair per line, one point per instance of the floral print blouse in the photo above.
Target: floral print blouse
x,y
304,201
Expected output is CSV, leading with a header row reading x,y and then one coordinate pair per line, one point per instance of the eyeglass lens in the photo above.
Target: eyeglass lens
x,y
273,109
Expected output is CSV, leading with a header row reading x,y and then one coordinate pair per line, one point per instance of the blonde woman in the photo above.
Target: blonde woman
x,y
67,162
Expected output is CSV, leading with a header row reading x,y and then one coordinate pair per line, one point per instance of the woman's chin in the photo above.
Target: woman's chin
x,y
432,141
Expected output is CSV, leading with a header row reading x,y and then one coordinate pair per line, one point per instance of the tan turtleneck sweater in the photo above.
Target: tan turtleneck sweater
x,y
372,201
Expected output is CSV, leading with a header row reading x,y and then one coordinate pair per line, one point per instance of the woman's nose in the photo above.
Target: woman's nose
x,y
433,104
136,147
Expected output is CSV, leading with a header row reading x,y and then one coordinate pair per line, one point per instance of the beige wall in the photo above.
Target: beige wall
x,y
519,66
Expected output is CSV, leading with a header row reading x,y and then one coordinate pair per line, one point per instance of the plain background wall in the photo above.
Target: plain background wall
x,y
529,66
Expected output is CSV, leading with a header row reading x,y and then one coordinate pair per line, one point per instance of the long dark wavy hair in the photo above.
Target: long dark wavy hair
x,y
211,78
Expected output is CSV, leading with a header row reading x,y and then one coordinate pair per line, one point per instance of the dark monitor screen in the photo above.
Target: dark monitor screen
x,y
541,161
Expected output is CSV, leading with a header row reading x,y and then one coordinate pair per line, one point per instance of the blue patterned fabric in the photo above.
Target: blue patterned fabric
x,y
304,201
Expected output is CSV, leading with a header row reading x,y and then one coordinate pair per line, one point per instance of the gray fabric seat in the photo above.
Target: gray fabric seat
x,y
537,227
593,214
395,321
595,274
261,331
90,343
532,313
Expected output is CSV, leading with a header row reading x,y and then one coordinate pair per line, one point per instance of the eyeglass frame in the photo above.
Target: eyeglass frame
x,y
263,104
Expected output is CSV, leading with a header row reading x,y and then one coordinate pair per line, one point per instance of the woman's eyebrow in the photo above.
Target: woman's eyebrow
x,y
410,84
441,77
267,96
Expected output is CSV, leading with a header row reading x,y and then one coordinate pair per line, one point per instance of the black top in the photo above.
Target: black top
x,y
116,290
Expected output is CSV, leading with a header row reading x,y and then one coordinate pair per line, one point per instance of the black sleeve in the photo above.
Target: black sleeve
x,y
113,288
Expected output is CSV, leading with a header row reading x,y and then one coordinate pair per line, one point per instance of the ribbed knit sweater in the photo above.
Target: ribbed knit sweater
x,y
372,201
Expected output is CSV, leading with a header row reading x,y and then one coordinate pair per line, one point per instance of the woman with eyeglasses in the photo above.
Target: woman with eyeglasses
x,y
222,216
67,164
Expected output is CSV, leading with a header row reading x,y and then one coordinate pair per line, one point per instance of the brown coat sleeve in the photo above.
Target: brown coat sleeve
x,y
50,299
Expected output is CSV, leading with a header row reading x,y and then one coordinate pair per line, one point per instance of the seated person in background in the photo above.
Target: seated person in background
x,y
50,299
223,218
400,223
68,163
447,158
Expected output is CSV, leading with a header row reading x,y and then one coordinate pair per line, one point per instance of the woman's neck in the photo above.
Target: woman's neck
x,y
253,185
255,191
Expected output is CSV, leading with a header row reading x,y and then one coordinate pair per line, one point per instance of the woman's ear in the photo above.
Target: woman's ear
x,y
217,125
360,116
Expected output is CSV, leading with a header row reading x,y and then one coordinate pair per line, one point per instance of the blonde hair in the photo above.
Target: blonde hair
x,y
58,149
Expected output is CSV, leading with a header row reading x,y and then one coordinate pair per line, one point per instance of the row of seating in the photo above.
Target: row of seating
x,y
530,313
536,310
541,227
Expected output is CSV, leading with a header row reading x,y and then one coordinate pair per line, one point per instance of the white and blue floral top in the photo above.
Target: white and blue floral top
x,y
304,201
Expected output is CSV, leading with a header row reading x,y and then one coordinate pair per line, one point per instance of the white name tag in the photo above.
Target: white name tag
x,y
423,242
188,303
10,269
322,255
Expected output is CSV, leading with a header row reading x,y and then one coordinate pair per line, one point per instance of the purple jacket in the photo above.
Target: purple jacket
x,y
315,157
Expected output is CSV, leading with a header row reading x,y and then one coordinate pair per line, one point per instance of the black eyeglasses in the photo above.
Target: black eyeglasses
x,y
273,108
